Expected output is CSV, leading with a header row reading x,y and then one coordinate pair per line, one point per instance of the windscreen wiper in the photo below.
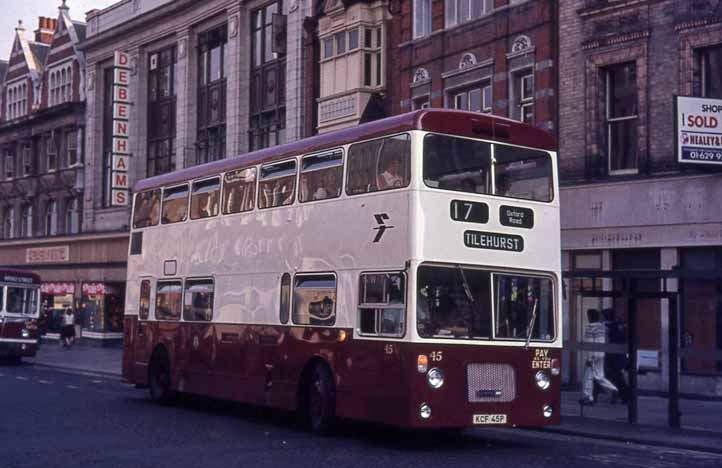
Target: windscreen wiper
x,y
531,323
467,288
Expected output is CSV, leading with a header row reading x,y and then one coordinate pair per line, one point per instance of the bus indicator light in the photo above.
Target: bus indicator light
x,y
422,363
556,367
342,336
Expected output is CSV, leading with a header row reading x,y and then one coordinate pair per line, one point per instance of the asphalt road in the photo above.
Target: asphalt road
x,y
53,419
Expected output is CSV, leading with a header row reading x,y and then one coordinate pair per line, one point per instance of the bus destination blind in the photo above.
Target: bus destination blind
x,y
493,241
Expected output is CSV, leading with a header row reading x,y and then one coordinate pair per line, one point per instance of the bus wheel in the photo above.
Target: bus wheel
x,y
319,405
159,381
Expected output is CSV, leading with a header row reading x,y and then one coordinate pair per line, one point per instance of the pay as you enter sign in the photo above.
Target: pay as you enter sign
x,y
699,130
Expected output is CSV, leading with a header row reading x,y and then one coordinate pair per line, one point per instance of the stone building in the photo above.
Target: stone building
x,y
42,182
627,204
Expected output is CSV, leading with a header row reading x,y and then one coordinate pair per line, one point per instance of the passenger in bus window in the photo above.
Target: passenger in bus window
x,y
391,176
503,185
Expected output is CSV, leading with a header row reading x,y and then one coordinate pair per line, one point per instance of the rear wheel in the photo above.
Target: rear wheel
x,y
159,379
319,402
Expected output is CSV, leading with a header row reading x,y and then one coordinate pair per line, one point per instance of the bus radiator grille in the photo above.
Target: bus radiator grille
x,y
490,383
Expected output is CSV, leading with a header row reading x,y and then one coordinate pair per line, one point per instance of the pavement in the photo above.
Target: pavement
x,y
701,420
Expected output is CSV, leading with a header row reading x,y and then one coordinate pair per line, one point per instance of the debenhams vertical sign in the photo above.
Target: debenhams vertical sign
x,y
121,114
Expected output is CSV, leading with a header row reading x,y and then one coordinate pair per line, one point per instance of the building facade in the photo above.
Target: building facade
x,y
42,182
627,204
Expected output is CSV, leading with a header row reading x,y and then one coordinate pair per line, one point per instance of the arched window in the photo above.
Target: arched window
x,y
26,221
51,218
8,227
73,216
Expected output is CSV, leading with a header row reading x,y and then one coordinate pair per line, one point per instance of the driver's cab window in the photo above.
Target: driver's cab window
x,y
377,165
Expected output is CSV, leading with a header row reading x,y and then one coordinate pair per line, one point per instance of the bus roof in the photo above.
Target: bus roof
x,y
18,277
462,123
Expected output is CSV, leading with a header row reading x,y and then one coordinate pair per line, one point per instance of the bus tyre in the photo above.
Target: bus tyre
x,y
159,380
319,402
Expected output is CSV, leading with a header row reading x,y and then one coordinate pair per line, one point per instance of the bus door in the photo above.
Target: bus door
x,y
143,342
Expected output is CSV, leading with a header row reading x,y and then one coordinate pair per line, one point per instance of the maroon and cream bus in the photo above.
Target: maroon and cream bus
x,y
19,311
405,271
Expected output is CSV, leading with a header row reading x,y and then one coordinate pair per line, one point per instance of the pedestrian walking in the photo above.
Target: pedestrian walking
x,y
595,332
67,335
616,363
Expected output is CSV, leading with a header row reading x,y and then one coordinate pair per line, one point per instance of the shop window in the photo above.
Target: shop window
x,y
239,190
422,18
376,165
198,300
285,301
321,176
522,95
314,300
146,211
475,99
51,153
102,307
205,198
382,309
51,218
461,11
711,70
168,300
144,305
621,110
73,215
277,184
175,204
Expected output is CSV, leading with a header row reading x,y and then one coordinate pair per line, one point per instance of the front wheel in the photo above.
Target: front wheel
x,y
319,402
159,380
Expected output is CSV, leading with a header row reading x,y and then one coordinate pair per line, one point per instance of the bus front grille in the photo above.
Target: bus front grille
x,y
490,383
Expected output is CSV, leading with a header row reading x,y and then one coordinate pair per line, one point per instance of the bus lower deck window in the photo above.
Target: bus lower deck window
x,y
382,308
314,300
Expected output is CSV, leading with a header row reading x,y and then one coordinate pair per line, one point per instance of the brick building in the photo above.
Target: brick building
x,y
42,183
626,202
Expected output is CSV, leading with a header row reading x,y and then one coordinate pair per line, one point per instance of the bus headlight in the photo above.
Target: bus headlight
x,y
542,380
425,411
547,411
25,333
435,377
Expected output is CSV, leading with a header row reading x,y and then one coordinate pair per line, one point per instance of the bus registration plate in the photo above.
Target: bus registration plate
x,y
489,419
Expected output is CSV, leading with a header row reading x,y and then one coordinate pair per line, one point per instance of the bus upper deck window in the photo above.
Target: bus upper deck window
x,y
175,204
321,176
457,164
146,211
522,173
377,165
277,184
239,190
205,198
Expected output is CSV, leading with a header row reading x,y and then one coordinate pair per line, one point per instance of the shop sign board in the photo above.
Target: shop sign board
x,y
93,289
57,254
60,289
121,115
698,130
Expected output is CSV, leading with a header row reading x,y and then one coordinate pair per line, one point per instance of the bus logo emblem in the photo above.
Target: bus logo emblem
x,y
381,219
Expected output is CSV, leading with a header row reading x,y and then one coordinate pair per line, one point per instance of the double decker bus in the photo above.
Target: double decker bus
x,y
405,271
19,312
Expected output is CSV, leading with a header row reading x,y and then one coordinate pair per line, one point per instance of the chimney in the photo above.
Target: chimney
x,y
46,30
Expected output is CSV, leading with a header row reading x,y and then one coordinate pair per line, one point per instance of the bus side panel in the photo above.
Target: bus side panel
x,y
130,323
12,343
373,385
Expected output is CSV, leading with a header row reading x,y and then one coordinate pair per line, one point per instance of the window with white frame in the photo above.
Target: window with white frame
x,y
372,47
421,102
17,100
73,210
51,218
621,112
51,153
422,18
522,95
476,98
26,221
8,227
60,85
9,160
27,159
710,67
71,147
461,11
